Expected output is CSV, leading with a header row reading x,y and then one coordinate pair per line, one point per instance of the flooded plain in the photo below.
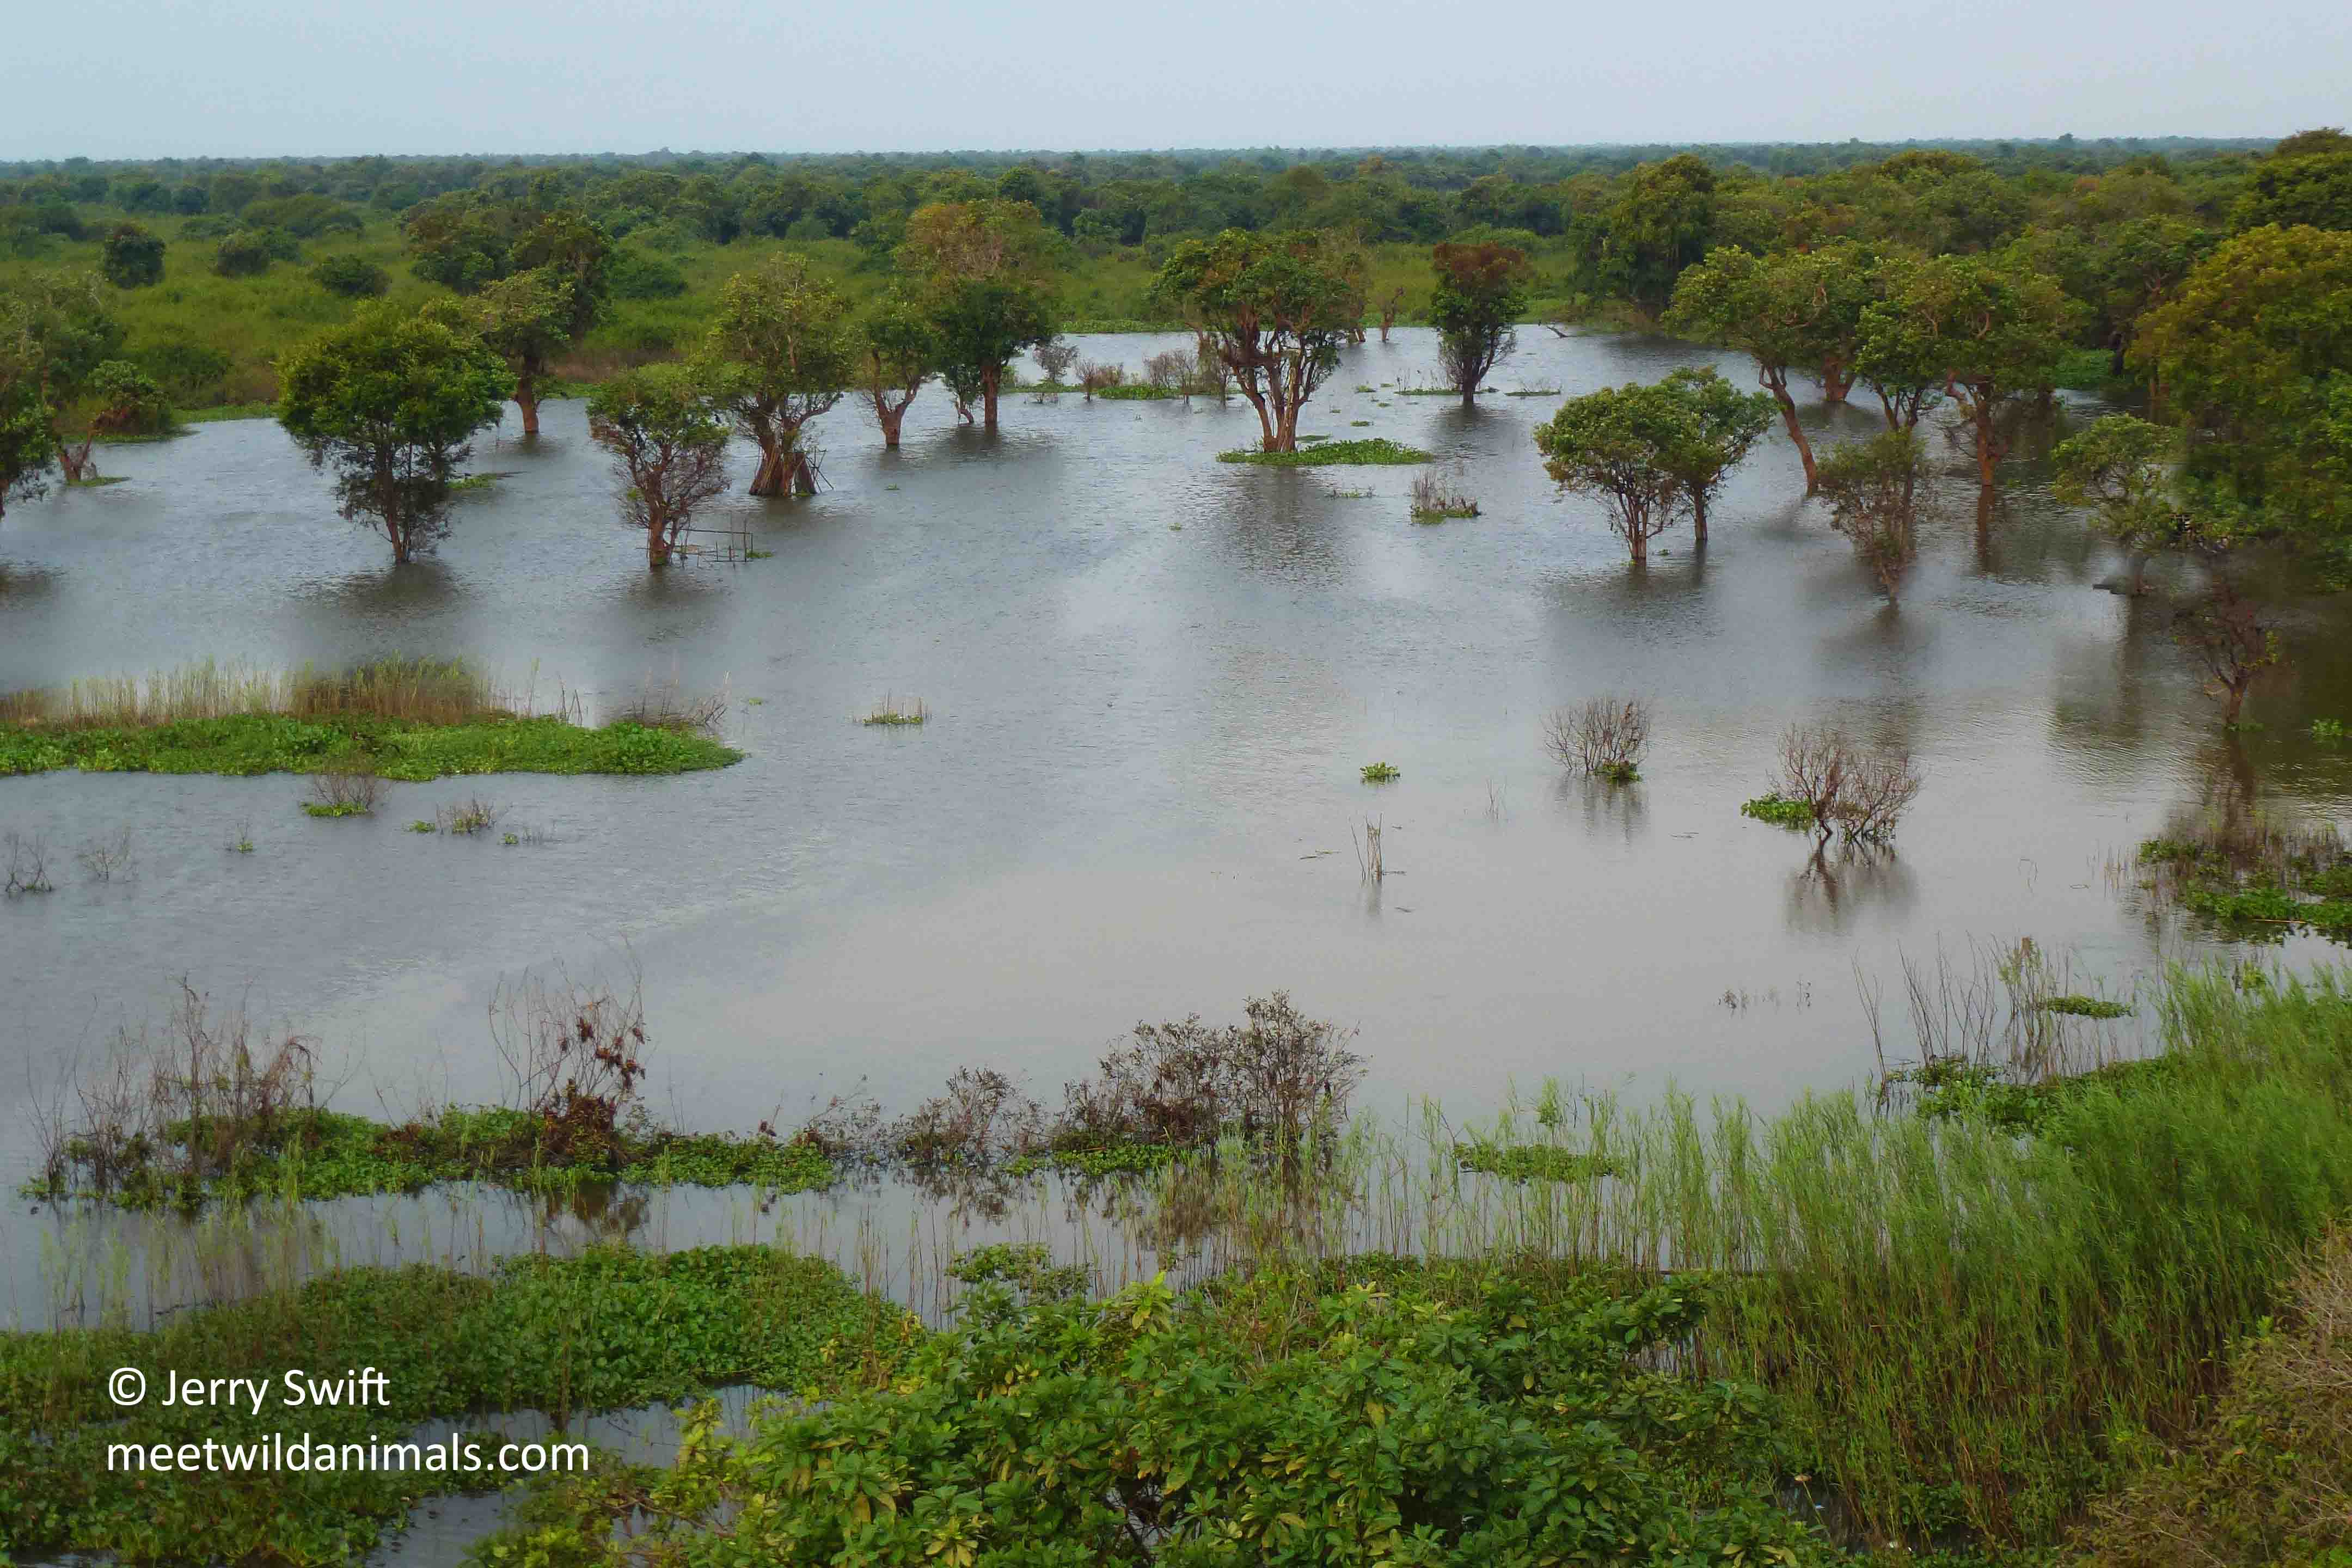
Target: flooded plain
x,y
1153,680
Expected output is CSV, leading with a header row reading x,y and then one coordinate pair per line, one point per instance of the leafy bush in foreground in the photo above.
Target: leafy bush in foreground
x,y
1407,1416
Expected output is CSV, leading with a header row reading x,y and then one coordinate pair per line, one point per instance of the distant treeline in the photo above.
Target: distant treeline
x,y
1407,194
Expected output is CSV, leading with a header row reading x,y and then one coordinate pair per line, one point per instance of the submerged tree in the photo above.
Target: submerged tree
x,y
982,270
72,334
784,337
27,447
1725,426
898,350
1618,446
391,403
665,426
2126,470
1989,327
1273,310
1871,488
1481,292
1796,311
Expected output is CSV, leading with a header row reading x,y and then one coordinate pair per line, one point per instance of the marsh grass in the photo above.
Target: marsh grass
x,y
2252,870
889,714
417,691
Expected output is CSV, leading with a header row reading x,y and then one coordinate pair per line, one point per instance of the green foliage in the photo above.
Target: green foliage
x,y
607,1329
1778,812
1368,451
1789,310
1380,773
1872,489
665,426
270,743
2124,469
352,276
26,450
125,401
1629,447
642,275
1481,291
1417,1417
1530,1161
2252,350
132,258
248,253
335,808
390,403
2313,189
1275,310
1723,426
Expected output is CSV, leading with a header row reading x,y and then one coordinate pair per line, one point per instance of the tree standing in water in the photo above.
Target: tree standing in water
x,y
1725,426
898,350
1481,291
665,426
391,403
783,339
1617,444
1273,310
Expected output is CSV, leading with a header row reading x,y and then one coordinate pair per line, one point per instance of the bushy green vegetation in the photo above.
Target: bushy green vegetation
x,y
1794,814
1369,450
1369,1412
274,743
607,1329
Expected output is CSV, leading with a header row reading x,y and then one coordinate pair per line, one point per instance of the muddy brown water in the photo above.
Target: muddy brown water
x,y
1153,680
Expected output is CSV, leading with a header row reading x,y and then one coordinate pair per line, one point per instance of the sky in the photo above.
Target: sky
x,y
143,78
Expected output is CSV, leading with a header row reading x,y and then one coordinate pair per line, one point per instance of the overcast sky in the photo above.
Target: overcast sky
x,y
135,79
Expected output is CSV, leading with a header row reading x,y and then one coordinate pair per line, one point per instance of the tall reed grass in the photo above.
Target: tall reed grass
x,y
422,690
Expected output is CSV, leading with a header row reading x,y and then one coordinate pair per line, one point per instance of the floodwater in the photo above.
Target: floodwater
x,y
1153,680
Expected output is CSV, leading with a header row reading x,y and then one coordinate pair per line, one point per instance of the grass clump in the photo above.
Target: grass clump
x,y
1779,811
1381,773
273,742
2254,875
1370,449
2267,1477
2085,1006
889,714
607,1329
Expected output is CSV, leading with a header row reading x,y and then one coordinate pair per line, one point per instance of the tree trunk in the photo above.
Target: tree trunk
x,y
656,550
1698,519
1837,380
75,461
2236,685
1776,383
1286,433
526,399
990,381
889,418
769,479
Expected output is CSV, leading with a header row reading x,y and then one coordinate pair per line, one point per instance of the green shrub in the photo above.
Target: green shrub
x,y
1376,1415
132,258
642,275
247,253
1381,773
1777,810
352,276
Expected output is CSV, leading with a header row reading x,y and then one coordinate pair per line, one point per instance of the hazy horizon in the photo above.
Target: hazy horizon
x,y
152,79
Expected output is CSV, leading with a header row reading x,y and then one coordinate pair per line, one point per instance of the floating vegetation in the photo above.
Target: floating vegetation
x,y
1368,451
1780,812
1381,773
1360,424
2256,875
2328,729
888,712
1531,1161
2085,1006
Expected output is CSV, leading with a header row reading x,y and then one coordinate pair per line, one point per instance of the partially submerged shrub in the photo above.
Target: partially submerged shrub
x,y
1861,794
981,1119
26,869
347,786
1279,1081
1094,376
1055,358
574,1054
1381,773
888,713
1439,496
1607,737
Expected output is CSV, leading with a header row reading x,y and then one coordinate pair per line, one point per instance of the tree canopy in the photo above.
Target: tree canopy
x,y
390,403
1274,309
